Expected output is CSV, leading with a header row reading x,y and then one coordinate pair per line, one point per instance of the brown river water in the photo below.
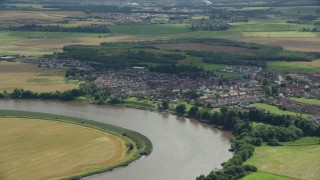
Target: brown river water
x,y
182,148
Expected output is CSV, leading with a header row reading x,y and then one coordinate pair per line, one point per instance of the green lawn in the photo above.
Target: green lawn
x,y
291,67
276,110
299,162
306,100
264,176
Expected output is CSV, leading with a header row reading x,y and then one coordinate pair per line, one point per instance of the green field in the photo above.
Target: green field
x,y
306,100
299,162
267,27
291,67
149,30
276,110
264,176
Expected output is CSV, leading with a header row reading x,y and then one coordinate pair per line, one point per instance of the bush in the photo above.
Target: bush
x,y
273,142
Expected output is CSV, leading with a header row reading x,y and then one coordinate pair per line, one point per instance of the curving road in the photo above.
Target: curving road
x,y
182,148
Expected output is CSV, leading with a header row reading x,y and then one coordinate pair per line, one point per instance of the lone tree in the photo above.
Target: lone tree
x,y
181,109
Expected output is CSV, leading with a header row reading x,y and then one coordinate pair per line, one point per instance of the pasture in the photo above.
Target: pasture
x,y
40,149
31,77
298,162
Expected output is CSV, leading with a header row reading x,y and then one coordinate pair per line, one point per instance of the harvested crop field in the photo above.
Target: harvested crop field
x,y
31,77
50,45
295,44
204,47
29,17
42,149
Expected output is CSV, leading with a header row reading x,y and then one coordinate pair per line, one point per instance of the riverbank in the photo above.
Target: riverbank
x,y
140,145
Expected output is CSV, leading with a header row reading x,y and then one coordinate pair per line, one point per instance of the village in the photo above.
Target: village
x,y
212,92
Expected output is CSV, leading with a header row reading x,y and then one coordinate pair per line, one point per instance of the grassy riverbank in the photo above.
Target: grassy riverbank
x,y
141,145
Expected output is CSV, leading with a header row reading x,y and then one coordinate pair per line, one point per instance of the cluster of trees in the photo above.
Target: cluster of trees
x,y
69,95
57,28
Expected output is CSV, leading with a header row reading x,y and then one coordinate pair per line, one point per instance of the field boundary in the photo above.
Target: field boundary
x,y
142,144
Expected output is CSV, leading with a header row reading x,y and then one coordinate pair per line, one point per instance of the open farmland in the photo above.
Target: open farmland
x,y
15,43
39,149
31,77
204,47
18,18
298,162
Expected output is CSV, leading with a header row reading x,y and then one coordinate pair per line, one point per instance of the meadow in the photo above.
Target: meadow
x,y
298,162
31,77
39,149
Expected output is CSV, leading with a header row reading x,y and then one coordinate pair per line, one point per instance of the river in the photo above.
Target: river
x,y
182,148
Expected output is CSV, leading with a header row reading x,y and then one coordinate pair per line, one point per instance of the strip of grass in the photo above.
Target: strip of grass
x,y
276,110
306,100
299,162
264,176
143,144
